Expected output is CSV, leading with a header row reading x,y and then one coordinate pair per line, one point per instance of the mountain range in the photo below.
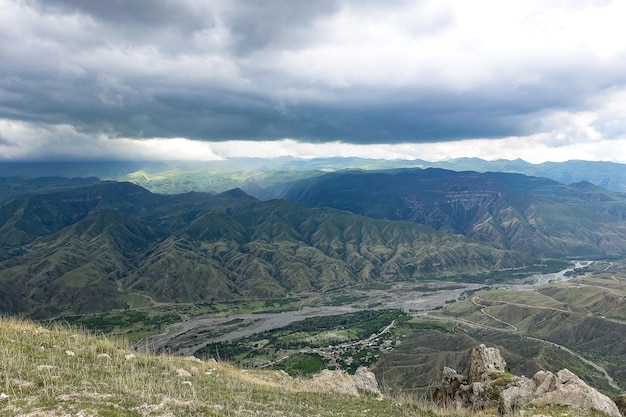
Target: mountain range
x,y
81,245
256,174
535,216
94,248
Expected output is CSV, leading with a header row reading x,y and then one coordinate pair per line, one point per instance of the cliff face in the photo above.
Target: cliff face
x,y
535,216
488,385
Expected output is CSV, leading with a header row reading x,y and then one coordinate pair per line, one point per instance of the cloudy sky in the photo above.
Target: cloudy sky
x,y
206,79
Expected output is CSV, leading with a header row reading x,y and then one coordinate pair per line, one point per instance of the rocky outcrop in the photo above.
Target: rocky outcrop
x,y
340,381
488,385
484,363
566,388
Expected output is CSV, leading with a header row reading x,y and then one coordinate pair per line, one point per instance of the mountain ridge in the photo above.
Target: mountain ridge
x,y
117,239
534,215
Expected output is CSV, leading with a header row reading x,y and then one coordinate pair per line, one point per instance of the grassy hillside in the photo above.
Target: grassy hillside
x,y
585,314
60,372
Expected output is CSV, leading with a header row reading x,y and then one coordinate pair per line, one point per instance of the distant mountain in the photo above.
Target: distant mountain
x,y
89,249
608,175
14,186
254,175
533,215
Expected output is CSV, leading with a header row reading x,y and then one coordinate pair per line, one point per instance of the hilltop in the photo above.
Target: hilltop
x,y
61,372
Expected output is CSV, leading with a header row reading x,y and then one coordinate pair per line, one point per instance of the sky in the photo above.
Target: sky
x,y
541,80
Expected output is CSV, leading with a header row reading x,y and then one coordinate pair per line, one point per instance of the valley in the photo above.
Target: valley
x,y
421,328
188,337
405,276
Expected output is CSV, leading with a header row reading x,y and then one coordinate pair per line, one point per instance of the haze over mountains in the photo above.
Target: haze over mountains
x,y
255,174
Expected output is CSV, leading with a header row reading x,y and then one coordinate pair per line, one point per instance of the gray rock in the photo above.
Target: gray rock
x,y
365,380
485,364
545,381
489,386
340,381
570,390
516,396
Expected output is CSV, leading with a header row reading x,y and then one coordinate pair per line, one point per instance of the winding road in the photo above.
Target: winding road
x,y
594,365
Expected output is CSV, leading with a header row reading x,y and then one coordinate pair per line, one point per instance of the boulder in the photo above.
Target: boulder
x,y
570,390
485,364
517,395
365,380
340,381
456,392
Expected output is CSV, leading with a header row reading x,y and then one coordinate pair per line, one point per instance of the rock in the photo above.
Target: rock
x,y
545,381
485,364
283,374
70,353
516,396
342,382
129,357
476,391
183,373
570,390
488,385
448,393
3,396
365,380
335,381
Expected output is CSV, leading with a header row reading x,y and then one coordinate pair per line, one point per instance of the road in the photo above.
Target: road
x,y
257,323
594,365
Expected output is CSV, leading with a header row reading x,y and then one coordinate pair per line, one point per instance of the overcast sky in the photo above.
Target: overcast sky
x,y
205,79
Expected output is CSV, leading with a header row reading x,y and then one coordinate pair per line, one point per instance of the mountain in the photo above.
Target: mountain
x,y
608,175
14,186
536,216
89,249
254,175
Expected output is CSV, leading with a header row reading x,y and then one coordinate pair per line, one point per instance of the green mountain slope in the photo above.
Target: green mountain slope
x,y
77,269
268,249
88,250
536,216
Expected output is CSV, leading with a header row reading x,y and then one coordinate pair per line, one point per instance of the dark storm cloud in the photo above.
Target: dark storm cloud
x,y
148,13
226,70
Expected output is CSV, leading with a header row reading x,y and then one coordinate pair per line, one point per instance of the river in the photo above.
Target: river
x,y
187,337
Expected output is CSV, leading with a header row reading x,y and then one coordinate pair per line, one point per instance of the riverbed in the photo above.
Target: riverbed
x,y
188,337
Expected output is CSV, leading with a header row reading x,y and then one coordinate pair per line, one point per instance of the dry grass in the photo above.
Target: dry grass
x,y
56,372
62,372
